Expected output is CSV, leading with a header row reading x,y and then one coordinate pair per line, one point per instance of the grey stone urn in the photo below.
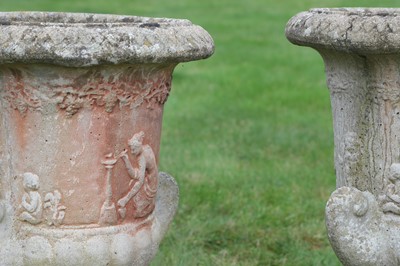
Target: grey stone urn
x,y
81,104
361,51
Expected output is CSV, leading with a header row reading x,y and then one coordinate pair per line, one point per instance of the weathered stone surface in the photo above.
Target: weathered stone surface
x,y
353,30
358,230
361,51
91,39
125,244
81,100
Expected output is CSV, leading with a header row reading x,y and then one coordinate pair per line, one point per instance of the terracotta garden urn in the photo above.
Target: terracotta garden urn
x,y
361,51
81,98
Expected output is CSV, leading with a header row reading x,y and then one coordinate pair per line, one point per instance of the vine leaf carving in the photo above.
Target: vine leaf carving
x,y
96,90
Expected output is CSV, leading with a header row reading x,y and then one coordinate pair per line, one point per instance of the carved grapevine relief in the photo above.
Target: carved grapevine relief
x,y
111,95
32,207
98,91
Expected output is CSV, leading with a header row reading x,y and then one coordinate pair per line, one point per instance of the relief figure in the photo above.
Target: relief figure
x,y
31,203
144,178
57,211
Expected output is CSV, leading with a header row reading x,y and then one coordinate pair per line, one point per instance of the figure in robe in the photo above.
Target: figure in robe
x,y
145,178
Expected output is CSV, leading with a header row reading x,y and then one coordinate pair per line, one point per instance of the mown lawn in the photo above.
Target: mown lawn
x,y
247,134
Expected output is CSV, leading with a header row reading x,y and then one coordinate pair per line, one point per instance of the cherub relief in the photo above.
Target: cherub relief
x,y
31,200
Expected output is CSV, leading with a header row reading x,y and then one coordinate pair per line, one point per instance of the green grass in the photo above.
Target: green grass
x,y
247,134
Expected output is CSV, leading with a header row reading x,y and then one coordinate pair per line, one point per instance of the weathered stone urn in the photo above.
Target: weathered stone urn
x,y
81,98
361,51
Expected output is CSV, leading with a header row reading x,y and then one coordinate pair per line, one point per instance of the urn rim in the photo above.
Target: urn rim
x,y
39,18
86,39
352,30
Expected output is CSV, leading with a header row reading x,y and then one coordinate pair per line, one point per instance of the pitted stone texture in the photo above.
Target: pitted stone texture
x,y
361,52
364,88
78,39
358,231
357,30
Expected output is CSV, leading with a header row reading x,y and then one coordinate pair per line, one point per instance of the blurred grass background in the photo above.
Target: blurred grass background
x,y
247,134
